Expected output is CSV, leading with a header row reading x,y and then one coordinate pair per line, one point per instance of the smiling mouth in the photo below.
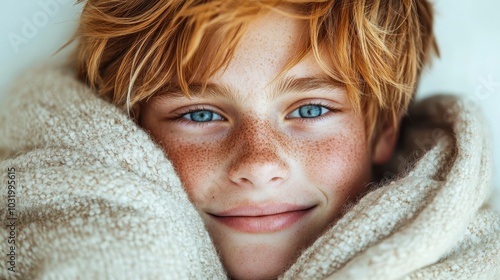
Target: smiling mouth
x,y
265,223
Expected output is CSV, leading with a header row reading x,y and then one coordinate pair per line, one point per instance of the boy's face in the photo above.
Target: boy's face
x,y
268,164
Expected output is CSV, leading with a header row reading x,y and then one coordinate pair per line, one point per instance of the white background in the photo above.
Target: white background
x,y
468,34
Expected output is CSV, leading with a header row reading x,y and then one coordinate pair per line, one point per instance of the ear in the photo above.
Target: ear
x,y
384,144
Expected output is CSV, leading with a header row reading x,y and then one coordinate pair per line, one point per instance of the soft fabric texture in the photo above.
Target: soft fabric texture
x,y
97,199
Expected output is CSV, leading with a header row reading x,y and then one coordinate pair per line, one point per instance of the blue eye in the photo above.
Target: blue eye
x,y
202,116
309,112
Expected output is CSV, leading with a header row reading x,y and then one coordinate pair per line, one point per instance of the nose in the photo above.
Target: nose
x,y
257,162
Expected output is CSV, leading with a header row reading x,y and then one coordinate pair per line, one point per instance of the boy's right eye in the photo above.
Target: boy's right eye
x,y
202,116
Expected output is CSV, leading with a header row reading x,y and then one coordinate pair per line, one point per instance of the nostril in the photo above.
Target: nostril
x,y
244,180
251,171
274,179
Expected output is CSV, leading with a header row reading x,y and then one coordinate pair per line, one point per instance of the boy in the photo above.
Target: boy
x,y
274,115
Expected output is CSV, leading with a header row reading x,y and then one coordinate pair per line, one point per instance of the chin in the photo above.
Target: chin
x,y
254,275
259,262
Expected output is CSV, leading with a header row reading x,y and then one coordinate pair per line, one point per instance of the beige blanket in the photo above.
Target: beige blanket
x,y
95,198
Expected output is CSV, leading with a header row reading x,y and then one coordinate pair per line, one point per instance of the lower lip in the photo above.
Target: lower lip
x,y
263,224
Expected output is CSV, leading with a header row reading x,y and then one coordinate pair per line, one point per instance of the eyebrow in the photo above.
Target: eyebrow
x,y
305,84
277,88
198,89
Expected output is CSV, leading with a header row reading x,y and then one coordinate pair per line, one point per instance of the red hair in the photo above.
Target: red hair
x,y
128,50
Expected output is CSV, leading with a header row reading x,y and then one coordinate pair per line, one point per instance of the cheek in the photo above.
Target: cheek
x,y
340,165
197,166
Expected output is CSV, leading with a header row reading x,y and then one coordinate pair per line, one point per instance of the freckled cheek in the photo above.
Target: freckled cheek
x,y
197,166
337,164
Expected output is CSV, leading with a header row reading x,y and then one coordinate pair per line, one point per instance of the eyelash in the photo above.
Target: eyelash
x,y
179,117
331,109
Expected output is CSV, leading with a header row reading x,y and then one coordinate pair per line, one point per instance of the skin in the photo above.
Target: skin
x,y
259,151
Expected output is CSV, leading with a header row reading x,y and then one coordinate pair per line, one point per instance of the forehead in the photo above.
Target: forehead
x,y
267,45
256,67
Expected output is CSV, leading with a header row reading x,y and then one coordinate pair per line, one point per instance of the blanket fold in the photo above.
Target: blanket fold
x,y
95,198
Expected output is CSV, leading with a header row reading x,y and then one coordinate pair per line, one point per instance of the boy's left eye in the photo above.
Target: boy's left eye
x,y
309,111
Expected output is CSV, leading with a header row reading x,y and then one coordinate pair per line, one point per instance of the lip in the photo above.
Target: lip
x,y
256,219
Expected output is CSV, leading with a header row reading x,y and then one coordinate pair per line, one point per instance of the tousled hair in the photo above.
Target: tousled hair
x,y
129,50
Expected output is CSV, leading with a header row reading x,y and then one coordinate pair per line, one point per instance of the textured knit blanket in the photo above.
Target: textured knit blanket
x,y
86,194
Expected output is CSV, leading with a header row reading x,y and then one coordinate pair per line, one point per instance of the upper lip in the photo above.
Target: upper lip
x,y
261,210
